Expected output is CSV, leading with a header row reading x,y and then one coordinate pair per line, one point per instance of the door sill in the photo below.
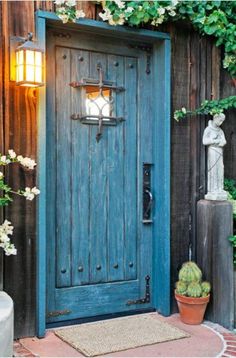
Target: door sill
x,y
97,318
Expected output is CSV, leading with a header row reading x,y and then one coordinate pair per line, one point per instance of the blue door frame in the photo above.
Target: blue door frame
x,y
161,140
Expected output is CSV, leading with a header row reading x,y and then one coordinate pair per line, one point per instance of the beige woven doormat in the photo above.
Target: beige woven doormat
x,y
93,339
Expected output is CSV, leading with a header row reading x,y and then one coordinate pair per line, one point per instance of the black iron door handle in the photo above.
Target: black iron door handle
x,y
147,213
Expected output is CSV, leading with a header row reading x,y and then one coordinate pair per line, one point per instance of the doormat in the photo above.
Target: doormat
x,y
119,334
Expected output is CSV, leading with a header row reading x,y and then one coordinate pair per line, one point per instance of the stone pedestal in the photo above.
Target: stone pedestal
x,y
6,325
215,258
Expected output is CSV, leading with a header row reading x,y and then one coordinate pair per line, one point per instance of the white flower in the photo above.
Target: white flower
x,y
129,9
1,175
31,193
10,249
4,159
71,2
120,4
26,162
172,13
7,227
35,191
183,109
118,22
28,194
3,239
12,154
79,13
161,10
175,2
106,15
59,2
157,21
19,158
61,10
64,18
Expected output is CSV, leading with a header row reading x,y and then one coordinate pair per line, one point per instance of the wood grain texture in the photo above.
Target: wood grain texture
x,y
20,134
215,257
180,157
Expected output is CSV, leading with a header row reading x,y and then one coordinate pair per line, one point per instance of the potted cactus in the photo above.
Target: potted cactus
x,y
192,295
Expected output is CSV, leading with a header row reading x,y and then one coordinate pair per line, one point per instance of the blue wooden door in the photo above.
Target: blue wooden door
x,y
99,242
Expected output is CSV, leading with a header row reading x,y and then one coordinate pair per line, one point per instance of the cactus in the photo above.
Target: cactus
x,y
190,281
206,287
194,289
190,272
181,288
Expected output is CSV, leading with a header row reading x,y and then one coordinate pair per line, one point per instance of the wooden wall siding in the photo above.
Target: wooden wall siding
x,y
227,89
195,76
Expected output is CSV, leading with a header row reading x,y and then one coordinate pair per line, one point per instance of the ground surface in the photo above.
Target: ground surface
x,y
206,340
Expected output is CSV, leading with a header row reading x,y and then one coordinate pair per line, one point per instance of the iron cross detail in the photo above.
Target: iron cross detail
x,y
98,102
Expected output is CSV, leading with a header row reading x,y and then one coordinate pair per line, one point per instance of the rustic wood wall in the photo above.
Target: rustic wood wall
x,y
195,76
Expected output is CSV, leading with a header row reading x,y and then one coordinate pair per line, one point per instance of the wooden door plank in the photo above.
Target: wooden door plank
x,y
80,175
51,188
130,169
146,104
98,190
63,169
115,172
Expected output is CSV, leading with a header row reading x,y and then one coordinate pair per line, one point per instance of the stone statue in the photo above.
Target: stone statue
x,y
214,138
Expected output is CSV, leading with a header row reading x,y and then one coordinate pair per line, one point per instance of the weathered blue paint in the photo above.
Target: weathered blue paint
x,y
161,169
161,250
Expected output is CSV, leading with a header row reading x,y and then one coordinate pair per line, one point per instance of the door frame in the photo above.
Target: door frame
x,y
161,172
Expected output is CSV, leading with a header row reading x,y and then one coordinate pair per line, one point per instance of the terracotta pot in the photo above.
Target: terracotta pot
x,y
191,309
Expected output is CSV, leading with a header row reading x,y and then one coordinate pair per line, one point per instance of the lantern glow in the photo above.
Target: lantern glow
x,y
29,64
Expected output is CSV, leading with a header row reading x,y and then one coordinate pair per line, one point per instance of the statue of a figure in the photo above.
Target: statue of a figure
x,y
214,138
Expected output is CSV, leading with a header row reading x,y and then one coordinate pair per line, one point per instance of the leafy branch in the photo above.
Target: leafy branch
x,y
213,18
207,107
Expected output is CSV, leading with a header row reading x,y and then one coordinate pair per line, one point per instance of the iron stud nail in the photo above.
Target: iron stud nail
x,y
81,58
116,266
131,264
64,57
98,267
63,270
116,63
131,65
80,269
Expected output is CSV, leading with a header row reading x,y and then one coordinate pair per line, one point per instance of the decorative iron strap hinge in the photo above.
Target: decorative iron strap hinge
x,y
148,49
58,313
145,299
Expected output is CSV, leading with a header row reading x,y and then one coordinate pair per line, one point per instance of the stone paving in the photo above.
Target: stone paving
x,y
207,340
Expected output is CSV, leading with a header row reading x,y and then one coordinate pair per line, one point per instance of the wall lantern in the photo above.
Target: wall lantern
x,y
27,62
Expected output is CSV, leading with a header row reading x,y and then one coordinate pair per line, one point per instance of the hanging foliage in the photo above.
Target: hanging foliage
x,y
214,18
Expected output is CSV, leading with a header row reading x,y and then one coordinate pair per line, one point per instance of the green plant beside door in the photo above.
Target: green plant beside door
x,y
192,295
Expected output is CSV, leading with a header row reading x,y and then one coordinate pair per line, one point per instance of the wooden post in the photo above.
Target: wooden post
x,y
215,258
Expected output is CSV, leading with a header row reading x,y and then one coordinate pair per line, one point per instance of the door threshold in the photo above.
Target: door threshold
x,y
97,318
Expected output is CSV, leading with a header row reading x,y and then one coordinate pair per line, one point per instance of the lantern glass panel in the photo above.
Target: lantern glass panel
x,y
38,58
19,73
20,57
29,73
38,74
29,57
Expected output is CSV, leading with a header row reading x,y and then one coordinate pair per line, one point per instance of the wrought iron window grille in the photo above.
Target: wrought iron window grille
x,y
97,96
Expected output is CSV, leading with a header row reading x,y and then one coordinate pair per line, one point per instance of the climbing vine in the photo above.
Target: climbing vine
x,y
207,107
214,18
